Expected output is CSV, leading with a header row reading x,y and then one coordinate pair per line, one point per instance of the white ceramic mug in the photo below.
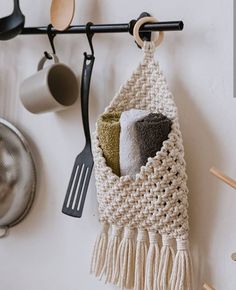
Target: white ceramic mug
x,y
52,88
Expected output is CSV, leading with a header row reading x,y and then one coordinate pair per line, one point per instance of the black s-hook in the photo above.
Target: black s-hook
x,y
51,36
89,35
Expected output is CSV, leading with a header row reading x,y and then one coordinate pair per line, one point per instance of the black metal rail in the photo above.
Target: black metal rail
x,y
109,28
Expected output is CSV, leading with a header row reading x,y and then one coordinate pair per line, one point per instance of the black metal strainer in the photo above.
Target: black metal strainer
x,y
17,176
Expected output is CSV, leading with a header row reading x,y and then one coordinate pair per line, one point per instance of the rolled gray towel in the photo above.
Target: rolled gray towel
x,y
130,158
152,131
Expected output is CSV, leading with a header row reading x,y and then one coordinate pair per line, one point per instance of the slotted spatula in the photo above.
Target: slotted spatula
x,y
79,181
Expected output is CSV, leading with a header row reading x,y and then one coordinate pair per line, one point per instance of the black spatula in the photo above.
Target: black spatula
x,y
79,181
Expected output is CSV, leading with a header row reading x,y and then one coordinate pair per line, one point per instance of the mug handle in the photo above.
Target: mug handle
x,y
3,231
44,59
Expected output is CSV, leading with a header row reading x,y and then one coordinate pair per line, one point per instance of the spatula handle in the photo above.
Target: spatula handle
x,y
16,6
85,88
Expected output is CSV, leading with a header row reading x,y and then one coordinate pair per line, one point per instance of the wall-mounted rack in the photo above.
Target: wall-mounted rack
x,y
11,27
109,28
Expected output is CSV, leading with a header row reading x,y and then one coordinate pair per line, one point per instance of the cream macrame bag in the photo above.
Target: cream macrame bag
x,y
144,238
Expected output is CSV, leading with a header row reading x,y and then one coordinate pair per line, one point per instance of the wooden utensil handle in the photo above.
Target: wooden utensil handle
x,y
231,182
207,287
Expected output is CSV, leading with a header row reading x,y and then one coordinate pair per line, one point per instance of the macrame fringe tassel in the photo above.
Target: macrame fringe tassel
x,y
99,251
166,264
124,273
140,259
152,263
141,265
112,254
182,273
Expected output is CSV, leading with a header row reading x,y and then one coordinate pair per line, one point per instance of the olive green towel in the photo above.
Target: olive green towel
x,y
152,130
108,127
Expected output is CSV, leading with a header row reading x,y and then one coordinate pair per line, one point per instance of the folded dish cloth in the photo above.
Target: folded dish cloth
x,y
151,132
130,158
108,127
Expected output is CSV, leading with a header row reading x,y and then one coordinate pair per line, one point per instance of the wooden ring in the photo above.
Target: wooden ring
x,y
157,41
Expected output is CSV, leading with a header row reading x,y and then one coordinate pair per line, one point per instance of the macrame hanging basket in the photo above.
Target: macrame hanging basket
x,y
143,244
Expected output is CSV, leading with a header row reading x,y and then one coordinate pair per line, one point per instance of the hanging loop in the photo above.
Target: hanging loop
x,y
157,41
51,36
146,35
90,35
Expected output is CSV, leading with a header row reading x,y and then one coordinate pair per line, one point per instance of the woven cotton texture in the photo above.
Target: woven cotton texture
x,y
147,248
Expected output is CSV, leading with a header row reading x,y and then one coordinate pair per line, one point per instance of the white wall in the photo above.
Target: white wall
x,y
52,251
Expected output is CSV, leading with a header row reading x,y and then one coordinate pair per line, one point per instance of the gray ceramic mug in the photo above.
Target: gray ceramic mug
x,y
52,88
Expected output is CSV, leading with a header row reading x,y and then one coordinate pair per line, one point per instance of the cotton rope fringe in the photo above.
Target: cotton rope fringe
x,y
143,244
